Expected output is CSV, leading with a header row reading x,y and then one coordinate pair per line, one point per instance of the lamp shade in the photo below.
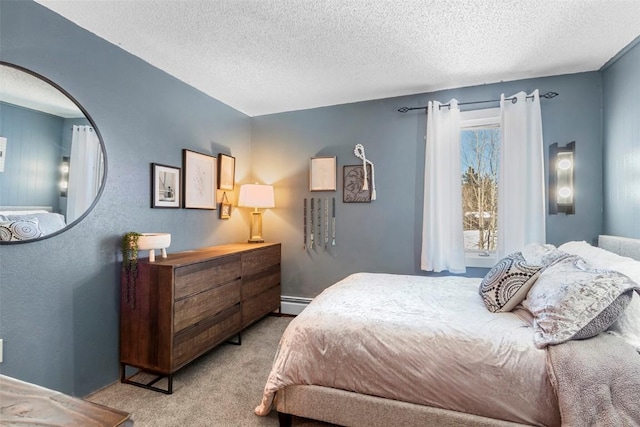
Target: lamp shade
x,y
256,196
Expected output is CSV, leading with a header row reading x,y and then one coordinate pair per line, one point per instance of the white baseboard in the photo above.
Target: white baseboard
x,y
293,305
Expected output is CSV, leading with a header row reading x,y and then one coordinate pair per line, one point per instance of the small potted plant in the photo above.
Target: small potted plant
x,y
130,265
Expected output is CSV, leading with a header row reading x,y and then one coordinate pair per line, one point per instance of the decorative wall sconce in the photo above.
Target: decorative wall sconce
x,y
256,196
64,177
562,178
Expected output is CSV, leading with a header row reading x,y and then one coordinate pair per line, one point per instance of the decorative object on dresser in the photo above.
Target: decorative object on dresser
x,y
192,301
24,403
256,196
129,249
152,241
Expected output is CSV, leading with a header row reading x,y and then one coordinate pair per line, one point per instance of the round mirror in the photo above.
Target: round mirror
x,y
52,158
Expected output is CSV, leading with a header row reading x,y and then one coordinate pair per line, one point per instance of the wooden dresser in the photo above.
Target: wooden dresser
x,y
191,301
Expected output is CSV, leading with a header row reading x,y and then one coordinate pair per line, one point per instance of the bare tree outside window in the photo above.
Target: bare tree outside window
x,y
480,154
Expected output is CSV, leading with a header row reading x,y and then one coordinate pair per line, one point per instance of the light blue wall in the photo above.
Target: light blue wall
x,y
34,150
621,83
385,235
59,297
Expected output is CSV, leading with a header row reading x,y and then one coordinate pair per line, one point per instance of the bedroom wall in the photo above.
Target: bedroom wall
x,y
385,235
621,84
32,151
59,297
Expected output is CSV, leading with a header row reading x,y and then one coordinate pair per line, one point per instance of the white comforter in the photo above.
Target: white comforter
x,y
423,340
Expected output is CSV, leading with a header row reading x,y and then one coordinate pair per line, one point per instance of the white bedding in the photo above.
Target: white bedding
x,y
423,340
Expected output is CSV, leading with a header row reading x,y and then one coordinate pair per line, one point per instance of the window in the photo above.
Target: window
x,y
480,139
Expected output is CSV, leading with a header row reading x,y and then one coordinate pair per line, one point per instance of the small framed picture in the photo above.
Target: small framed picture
x,y
322,174
226,171
225,210
353,184
165,186
199,180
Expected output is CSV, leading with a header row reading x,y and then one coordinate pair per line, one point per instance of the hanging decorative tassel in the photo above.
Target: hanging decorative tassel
x,y
359,153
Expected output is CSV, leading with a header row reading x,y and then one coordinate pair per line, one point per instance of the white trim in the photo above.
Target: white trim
x,y
474,259
293,305
489,117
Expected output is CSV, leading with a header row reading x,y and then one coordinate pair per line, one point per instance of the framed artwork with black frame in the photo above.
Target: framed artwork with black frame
x,y
165,186
322,174
199,180
353,184
226,172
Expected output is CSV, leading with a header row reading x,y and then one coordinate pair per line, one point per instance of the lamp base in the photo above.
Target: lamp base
x,y
256,227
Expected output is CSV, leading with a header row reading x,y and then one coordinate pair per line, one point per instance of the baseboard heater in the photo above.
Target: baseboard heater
x,y
293,305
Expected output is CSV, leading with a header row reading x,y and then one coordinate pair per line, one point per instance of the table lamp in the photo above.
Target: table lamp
x,y
256,196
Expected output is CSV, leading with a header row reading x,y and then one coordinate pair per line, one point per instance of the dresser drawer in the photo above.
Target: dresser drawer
x,y
193,309
253,285
194,341
260,305
259,259
198,277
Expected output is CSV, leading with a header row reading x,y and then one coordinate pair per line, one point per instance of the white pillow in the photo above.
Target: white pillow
x,y
596,257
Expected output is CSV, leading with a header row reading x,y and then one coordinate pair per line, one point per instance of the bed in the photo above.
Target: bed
x,y
28,222
428,351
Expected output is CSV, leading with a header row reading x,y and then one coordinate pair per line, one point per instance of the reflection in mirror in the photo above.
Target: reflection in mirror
x,y
52,163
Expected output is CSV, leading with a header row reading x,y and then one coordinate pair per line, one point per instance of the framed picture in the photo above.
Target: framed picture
x,y
165,186
226,171
225,207
353,181
322,174
199,180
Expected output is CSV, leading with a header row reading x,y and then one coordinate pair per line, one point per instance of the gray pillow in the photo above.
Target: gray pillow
x,y
571,301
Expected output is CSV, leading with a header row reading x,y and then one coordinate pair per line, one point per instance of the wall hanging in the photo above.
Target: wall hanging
x,y
359,153
322,174
356,184
225,207
199,180
226,172
165,186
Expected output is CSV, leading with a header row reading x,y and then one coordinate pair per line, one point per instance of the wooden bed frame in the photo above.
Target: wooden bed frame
x,y
352,409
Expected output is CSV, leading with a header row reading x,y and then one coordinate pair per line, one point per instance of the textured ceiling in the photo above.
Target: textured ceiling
x,y
268,56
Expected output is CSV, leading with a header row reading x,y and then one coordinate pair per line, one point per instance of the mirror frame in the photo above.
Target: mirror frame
x,y
102,147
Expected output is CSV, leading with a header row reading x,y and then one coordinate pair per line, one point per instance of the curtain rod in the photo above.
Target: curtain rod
x,y
513,99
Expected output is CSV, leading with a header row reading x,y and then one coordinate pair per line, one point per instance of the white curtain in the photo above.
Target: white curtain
x,y
442,234
521,205
86,167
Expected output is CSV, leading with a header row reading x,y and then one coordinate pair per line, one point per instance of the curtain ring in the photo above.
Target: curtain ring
x,y
514,100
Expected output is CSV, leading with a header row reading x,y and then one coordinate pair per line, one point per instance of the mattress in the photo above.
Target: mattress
x,y
423,340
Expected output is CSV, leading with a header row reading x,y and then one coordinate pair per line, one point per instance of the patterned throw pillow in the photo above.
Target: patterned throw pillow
x,y
22,229
572,301
508,282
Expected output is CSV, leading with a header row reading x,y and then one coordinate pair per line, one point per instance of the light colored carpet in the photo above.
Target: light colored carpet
x,y
220,389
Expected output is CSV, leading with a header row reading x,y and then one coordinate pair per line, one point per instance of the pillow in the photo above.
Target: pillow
x,y
594,256
571,301
542,254
508,282
22,229
627,326
47,221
